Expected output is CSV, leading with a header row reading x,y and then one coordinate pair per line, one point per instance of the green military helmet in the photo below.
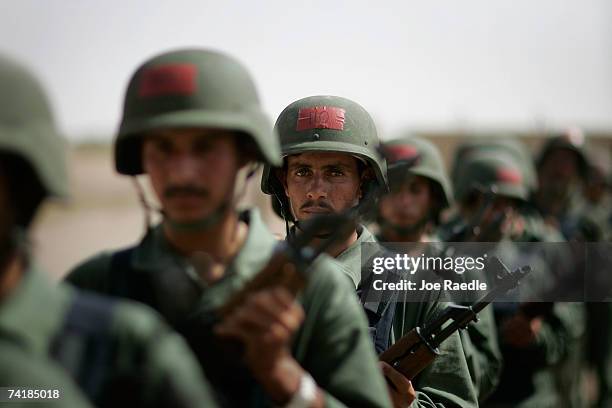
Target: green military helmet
x,y
571,139
494,143
28,130
326,124
429,164
496,172
191,88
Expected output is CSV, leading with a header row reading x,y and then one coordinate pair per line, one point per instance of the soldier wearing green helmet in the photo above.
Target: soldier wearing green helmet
x,y
562,167
332,165
494,143
490,190
192,122
414,219
99,345
410,213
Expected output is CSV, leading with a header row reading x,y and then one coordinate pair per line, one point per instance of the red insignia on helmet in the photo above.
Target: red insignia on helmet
x,y
399,152
168,79
511,176
320,117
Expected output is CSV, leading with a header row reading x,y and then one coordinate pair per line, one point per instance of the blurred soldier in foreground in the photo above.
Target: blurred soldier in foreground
x,y
330,165
535,340
410,213
117,353
192,122
21,370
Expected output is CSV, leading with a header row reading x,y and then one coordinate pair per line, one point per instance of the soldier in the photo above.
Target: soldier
x,y
410,213
561,168
567,181
192,122
331,165
535,340
108,347
22,371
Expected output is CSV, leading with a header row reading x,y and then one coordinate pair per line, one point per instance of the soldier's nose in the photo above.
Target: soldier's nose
x,y
184,169
317,189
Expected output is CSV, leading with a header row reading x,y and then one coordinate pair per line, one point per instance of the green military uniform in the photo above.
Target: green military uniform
x,y
446,382
537,375
332,345
143,348
37,374
479,340
117,353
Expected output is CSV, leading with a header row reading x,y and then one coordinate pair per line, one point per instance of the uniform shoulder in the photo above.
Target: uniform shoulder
x,y
92,272
327,274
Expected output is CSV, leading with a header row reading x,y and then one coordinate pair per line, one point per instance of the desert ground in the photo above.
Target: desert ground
x,y
104,212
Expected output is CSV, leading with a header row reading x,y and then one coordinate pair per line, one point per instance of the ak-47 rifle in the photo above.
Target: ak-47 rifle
x,y
419,347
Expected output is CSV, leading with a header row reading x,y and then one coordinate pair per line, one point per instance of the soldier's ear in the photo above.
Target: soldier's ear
x,y
367,175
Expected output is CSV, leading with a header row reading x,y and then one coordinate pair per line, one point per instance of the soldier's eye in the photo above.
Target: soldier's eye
x,y
201,146
163,146
302,172
336,172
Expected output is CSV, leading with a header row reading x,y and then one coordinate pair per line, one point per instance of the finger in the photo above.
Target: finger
x,y
278,308
401,383
253,318
231,331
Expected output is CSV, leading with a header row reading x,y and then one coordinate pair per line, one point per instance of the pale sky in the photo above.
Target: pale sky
x,y
447,63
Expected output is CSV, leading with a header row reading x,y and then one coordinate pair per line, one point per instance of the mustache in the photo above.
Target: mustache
x,y
320,204
185,190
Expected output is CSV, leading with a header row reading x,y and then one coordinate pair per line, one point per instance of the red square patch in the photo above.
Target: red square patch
x,y
320,117
399,152
169,79
508,175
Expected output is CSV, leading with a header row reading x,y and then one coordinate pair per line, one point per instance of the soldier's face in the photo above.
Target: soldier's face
x,y
407,203
558,172
321,183
498,219
192,171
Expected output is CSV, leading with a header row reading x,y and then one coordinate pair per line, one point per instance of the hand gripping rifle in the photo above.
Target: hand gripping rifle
x,y
419,347
290,264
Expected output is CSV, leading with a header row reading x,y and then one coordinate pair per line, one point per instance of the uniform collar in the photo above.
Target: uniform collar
x,y
155,252
33,313
350,258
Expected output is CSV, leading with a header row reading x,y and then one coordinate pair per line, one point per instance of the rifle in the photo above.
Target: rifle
x,y
290,264
419,347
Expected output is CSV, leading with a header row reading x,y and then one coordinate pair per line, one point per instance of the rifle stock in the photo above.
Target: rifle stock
x,y
410,354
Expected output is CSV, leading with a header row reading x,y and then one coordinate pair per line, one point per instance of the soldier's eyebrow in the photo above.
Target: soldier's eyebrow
x,y
339,165
327,166
298,164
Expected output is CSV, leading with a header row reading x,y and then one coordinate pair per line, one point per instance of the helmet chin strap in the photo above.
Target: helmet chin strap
x,y
203,223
